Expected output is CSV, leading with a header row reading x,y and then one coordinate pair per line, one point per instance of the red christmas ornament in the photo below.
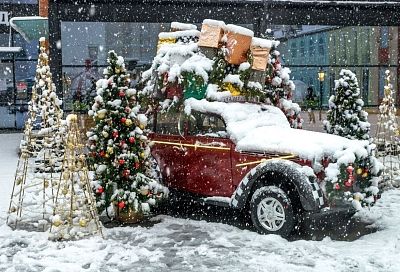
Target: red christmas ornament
x,y
337,186
121,94
137,165
100,190
350,180
126,173
127,110
121,162
121,204
102,153
123,120
132,140
115,134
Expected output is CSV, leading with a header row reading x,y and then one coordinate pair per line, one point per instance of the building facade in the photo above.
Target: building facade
x,y
16,70
366,50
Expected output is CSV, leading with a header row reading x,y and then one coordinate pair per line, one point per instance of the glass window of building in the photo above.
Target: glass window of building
x,y
312,47
384,37
302,49
321,47
294,49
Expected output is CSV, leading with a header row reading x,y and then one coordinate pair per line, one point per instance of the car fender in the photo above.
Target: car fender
x,y
302,177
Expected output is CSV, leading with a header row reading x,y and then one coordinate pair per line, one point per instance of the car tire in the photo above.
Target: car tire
x,y
271,211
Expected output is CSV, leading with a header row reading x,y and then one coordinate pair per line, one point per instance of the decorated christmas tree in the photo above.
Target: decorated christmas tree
x,y
75,214
119,147
345,116
387,137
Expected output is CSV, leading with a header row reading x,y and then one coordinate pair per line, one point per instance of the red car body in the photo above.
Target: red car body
x,y
207,166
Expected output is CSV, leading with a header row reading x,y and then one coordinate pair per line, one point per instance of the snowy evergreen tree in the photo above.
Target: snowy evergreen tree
x,y
345,116
119,146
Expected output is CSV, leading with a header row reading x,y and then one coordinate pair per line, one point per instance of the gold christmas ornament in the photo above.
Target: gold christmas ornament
x,y
83,222
128,122
19,180
144,191
66,175
356,197
13,209
359,171
110,150
57,223
142,154
365,175
65,191
46,183
141,126
105,134
101,115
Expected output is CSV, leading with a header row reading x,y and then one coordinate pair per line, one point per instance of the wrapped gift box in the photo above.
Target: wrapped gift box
x,y
238,43
260,49
174,89
194,89
211,34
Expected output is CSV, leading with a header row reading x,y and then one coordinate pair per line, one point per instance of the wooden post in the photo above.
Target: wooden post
x,y
43,8
44,12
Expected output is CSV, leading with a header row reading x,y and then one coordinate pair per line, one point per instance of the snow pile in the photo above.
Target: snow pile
x,y
263,43
182,26
178,34
239,30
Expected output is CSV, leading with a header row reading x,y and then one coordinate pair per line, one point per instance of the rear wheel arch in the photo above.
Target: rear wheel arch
x,y
282,174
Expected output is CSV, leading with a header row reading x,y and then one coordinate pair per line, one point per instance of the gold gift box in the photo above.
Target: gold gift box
x,y
260,58
211,36
162,41
237,45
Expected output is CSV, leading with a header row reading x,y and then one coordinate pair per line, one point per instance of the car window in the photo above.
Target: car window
x,y
169,123
201,124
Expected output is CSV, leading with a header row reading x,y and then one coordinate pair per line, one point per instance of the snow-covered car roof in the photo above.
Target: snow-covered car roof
x,y
240,118
263,128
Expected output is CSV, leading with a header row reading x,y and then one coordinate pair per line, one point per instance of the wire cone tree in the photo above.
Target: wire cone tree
x,y
387,137
75,214
345,116
39,165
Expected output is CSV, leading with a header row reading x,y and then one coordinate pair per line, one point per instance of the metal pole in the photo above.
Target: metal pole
x,y
320,99
14,83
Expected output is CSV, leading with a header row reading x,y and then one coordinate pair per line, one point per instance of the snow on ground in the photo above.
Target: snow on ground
x,y
174,244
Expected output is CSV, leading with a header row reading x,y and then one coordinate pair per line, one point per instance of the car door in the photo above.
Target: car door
x,y
168,149
209,156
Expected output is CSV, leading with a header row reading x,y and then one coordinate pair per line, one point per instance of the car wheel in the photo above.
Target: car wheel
x,y
271,211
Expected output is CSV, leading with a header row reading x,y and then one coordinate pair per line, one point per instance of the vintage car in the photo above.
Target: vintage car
x,y
246,156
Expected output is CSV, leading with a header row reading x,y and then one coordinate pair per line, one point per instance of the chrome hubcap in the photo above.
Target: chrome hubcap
x,y
271,214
